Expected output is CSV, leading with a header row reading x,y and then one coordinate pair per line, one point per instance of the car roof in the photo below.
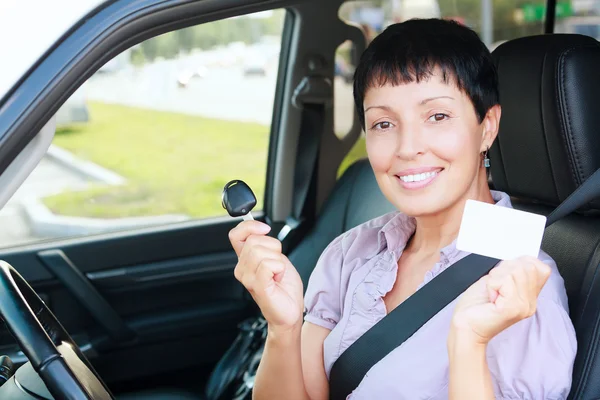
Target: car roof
x,y
36,32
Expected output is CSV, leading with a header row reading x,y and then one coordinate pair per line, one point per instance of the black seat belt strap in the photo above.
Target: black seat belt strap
x,y
313,96
400,324
311,130
588,191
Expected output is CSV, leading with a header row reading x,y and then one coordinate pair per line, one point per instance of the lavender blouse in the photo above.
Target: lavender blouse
x,y
532,359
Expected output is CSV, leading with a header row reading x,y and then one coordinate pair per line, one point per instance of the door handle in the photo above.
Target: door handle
x,y
86,293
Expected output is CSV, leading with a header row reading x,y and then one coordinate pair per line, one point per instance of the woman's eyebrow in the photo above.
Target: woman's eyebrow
x,y
435,98
385,108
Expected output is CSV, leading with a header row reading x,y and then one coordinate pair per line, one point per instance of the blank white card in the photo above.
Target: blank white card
x,y
500,232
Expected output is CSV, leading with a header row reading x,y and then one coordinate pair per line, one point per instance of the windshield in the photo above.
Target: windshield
x,y
26,32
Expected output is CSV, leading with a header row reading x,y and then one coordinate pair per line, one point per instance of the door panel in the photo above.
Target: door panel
x,y
164,126
171,284
173,288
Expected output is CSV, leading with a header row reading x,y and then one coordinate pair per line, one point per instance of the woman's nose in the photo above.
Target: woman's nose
x,y
409,144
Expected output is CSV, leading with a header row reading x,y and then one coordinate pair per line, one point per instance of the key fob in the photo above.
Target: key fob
x,y
238,199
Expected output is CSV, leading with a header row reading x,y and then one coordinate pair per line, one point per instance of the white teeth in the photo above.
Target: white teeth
x,y
418,177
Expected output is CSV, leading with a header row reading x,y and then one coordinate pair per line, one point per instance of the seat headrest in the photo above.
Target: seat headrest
x,y
549,138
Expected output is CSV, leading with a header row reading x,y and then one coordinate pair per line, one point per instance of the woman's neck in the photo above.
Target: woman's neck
x,y
434,232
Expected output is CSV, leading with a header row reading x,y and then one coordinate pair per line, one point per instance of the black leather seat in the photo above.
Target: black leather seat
x,y
546,147
549,143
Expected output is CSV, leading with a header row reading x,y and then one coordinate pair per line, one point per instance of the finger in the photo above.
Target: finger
x,y
541,268
527,286
524,270
256,280
524,281
250,258
519,303
543,273
502,269
239,234
255,249
287,265
264,241
253,255
480,291
266,272
529,276
496,282
492,294
495,277
537,275
507,301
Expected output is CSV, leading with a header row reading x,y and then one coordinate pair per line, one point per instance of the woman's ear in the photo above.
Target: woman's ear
x,y
490,125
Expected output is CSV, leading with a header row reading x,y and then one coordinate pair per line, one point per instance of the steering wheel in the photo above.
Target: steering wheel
x,y
51,351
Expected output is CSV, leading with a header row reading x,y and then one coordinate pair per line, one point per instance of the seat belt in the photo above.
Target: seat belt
x,y
313,96
400,324
311,129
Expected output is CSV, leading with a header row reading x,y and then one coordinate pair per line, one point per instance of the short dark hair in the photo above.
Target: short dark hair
x,y
411,50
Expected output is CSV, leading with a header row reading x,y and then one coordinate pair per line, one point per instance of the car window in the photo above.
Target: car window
x,y
494,21
156,133
581,17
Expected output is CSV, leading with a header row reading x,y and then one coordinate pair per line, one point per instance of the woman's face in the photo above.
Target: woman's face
x,y
424,143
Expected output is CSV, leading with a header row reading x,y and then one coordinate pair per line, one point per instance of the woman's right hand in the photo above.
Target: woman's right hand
x,y
267,274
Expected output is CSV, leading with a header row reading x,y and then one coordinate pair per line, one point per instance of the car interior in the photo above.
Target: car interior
x,y
151,310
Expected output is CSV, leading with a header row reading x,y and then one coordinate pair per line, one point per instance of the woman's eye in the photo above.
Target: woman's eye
x,y
383,125
438,117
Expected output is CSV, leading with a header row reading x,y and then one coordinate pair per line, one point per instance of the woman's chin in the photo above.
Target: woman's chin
x,y
421,206
419,211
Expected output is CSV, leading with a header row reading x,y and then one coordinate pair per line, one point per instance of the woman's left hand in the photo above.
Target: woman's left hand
x,y
500,299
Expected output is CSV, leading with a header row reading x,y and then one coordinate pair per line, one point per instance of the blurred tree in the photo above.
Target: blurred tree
x,y
185,38
206,36
150,49
505,16
136,56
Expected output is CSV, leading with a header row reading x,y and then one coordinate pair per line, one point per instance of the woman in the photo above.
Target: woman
x,y
429,105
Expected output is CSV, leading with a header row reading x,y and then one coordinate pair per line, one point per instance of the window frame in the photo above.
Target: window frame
x,y
101,36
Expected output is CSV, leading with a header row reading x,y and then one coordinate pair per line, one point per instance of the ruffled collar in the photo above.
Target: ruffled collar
x,y
395,234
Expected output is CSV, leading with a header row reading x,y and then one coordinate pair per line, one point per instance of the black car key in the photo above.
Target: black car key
x,y
238,199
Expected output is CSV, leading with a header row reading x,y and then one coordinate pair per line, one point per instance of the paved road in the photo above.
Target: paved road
x,y
48,178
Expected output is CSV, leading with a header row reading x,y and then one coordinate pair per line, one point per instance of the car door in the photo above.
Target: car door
x,y
120,227
157,105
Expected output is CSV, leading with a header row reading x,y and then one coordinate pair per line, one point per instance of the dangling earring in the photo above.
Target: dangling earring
x,y
486,159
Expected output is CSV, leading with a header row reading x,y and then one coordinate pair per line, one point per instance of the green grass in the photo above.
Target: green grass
x,y
174,163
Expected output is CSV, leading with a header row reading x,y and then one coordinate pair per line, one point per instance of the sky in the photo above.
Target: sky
x,y
29,27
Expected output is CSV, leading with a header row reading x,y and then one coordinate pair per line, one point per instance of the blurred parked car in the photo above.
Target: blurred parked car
x,y
255,66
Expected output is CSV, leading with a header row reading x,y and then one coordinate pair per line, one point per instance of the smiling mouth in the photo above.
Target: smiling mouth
x,y
418,177
417,181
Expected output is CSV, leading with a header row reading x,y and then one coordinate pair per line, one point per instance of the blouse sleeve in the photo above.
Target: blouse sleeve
x,y
322,300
